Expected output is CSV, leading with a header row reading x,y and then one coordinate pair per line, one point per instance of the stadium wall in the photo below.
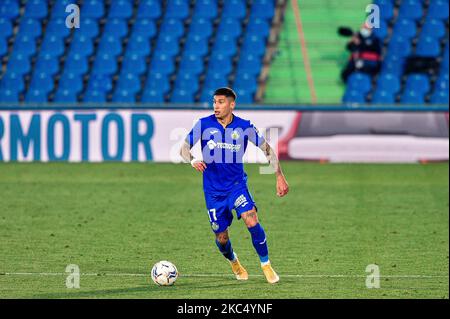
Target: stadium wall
x,y
126,134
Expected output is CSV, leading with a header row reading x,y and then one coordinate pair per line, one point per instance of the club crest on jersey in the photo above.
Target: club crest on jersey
x,y
214,226
235,135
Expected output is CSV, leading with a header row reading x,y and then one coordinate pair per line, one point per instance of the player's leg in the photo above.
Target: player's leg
x,y
224,244
259,241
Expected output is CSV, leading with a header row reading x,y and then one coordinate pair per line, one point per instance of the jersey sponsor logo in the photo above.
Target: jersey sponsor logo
x,y
235,135
232,147
211,144
241,200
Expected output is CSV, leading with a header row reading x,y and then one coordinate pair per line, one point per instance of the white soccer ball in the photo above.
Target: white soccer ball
x,y
164,273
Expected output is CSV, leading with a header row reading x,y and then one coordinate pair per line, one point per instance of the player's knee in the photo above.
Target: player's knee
x,y
250,218
222,238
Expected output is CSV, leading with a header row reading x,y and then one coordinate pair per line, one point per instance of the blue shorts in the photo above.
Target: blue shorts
x,y
220,207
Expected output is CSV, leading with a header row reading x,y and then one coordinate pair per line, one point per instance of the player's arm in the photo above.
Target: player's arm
x,y
186,154
282,185
185,151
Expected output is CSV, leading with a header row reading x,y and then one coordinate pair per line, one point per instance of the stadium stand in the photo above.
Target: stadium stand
x,y
128,51
416,30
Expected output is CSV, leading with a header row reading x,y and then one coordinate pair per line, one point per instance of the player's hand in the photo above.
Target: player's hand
x,y
198,165
282,186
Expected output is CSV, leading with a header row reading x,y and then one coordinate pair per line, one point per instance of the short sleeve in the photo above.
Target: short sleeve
x,y
195,134
255,136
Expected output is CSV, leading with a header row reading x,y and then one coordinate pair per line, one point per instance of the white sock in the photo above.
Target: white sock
x,y
265,263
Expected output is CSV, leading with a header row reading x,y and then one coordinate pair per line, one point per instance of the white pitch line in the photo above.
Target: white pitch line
x,y
214,275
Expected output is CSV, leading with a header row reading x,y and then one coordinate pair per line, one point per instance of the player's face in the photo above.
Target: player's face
x,y
223,106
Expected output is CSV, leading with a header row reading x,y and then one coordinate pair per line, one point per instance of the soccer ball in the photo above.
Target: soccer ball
x,y
164,273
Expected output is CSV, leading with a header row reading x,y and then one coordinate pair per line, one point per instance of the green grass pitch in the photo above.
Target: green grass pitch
x,y
116,220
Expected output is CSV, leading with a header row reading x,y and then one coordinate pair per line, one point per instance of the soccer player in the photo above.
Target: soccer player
x,y
224,138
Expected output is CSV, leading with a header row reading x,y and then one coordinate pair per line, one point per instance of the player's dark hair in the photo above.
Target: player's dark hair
x,y
226,92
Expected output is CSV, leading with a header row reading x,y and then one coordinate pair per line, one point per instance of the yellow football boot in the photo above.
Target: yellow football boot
x,y
270,274
239,270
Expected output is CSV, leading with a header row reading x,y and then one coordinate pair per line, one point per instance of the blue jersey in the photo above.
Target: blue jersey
x,y
223,150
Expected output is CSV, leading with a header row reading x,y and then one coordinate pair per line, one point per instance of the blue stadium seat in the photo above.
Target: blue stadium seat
x,y
259,27
196,45
207,94
19,63
360,82
428,47
220,63
381,96
59,9
405,28
9,9
172,27
214,80
52,45
381,32
57,27
230,26
167,45
82,45
42,81
162,63
94,9
65,96
393,64
120,9
105,63
25,45
413,97
149,9
178,9
89,27
399,46
71,81
100,82
254,44
12,81
187,81
386,9
35,95
353,96
158,81
246,81
76,63
205,9
145,28
47,63
433,28
3,47
134,63
36,9
418,83
124,96
30,27
118,27
250,63
225,45
234,9
152,96
9,96
94,96
6,28
201,27
263,9
440,97
110,45
182,96
411,9
438,9
442,83
129,82
192,63
139,45
244,96
388,82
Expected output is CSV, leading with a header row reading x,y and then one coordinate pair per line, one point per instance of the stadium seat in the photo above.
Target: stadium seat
x,y
383,97
162,64
129,82
440,97
205,9
119,27
158,81
201,27
264,9
187,81
388,82
76,63
9,96
220,63
120,9
35,95
123,96
386,9
258,27
52,45
196,45
94,96
393,64
438,9
138,44
19,63
246,81
47,63
110,45
63,95
230,26
182,96
353,96
244,96
82,45
42,81
359,82
12,81
192,63
381,32
428,47
168,45
178,9
36,9
57,27
89,27
93,9
30,27
411,9
413,97
59,9
25,45
105,63
100,82
145,28
254,44
225,45
399,46
149,9
9,9
71,81
6,28
134,63
3,47
433,28
405,28
172,27
418,83
152,96
234,9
